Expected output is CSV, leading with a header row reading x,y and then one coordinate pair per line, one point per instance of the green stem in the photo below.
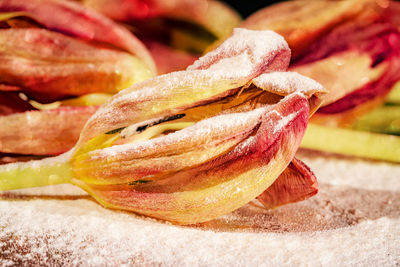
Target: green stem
x,y
352,142
35,173
385,119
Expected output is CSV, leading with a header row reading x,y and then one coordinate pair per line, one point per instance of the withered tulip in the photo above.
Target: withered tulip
x,y
351,47
176,32
51,50
190,146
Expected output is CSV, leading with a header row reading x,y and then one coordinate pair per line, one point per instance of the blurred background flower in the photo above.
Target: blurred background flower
x,y
58,61
353,49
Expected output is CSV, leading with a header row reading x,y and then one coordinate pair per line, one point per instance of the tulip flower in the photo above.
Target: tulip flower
x,y
193,145
176,32
353,49
53,50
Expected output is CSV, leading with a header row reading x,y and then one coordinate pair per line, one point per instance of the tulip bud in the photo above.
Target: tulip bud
x,y
52,50
193,145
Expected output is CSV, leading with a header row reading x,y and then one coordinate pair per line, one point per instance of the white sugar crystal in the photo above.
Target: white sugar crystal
x,y
255,45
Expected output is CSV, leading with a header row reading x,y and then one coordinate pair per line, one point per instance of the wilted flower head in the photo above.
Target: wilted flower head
x,y
190,146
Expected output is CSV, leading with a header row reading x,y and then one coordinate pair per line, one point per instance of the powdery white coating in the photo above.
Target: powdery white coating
x,y
239,65
356,225
284,83
280,124
254,46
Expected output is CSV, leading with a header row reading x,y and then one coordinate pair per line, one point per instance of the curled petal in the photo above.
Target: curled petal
x,y
285,83
246,58
296,183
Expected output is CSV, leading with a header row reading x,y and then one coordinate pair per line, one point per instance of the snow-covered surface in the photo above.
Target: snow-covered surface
x,y
353,221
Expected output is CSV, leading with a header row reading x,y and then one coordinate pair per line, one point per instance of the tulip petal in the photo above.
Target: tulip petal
x,y
50,65
328,70
169,59
189,147
302,23
295,184
47,132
